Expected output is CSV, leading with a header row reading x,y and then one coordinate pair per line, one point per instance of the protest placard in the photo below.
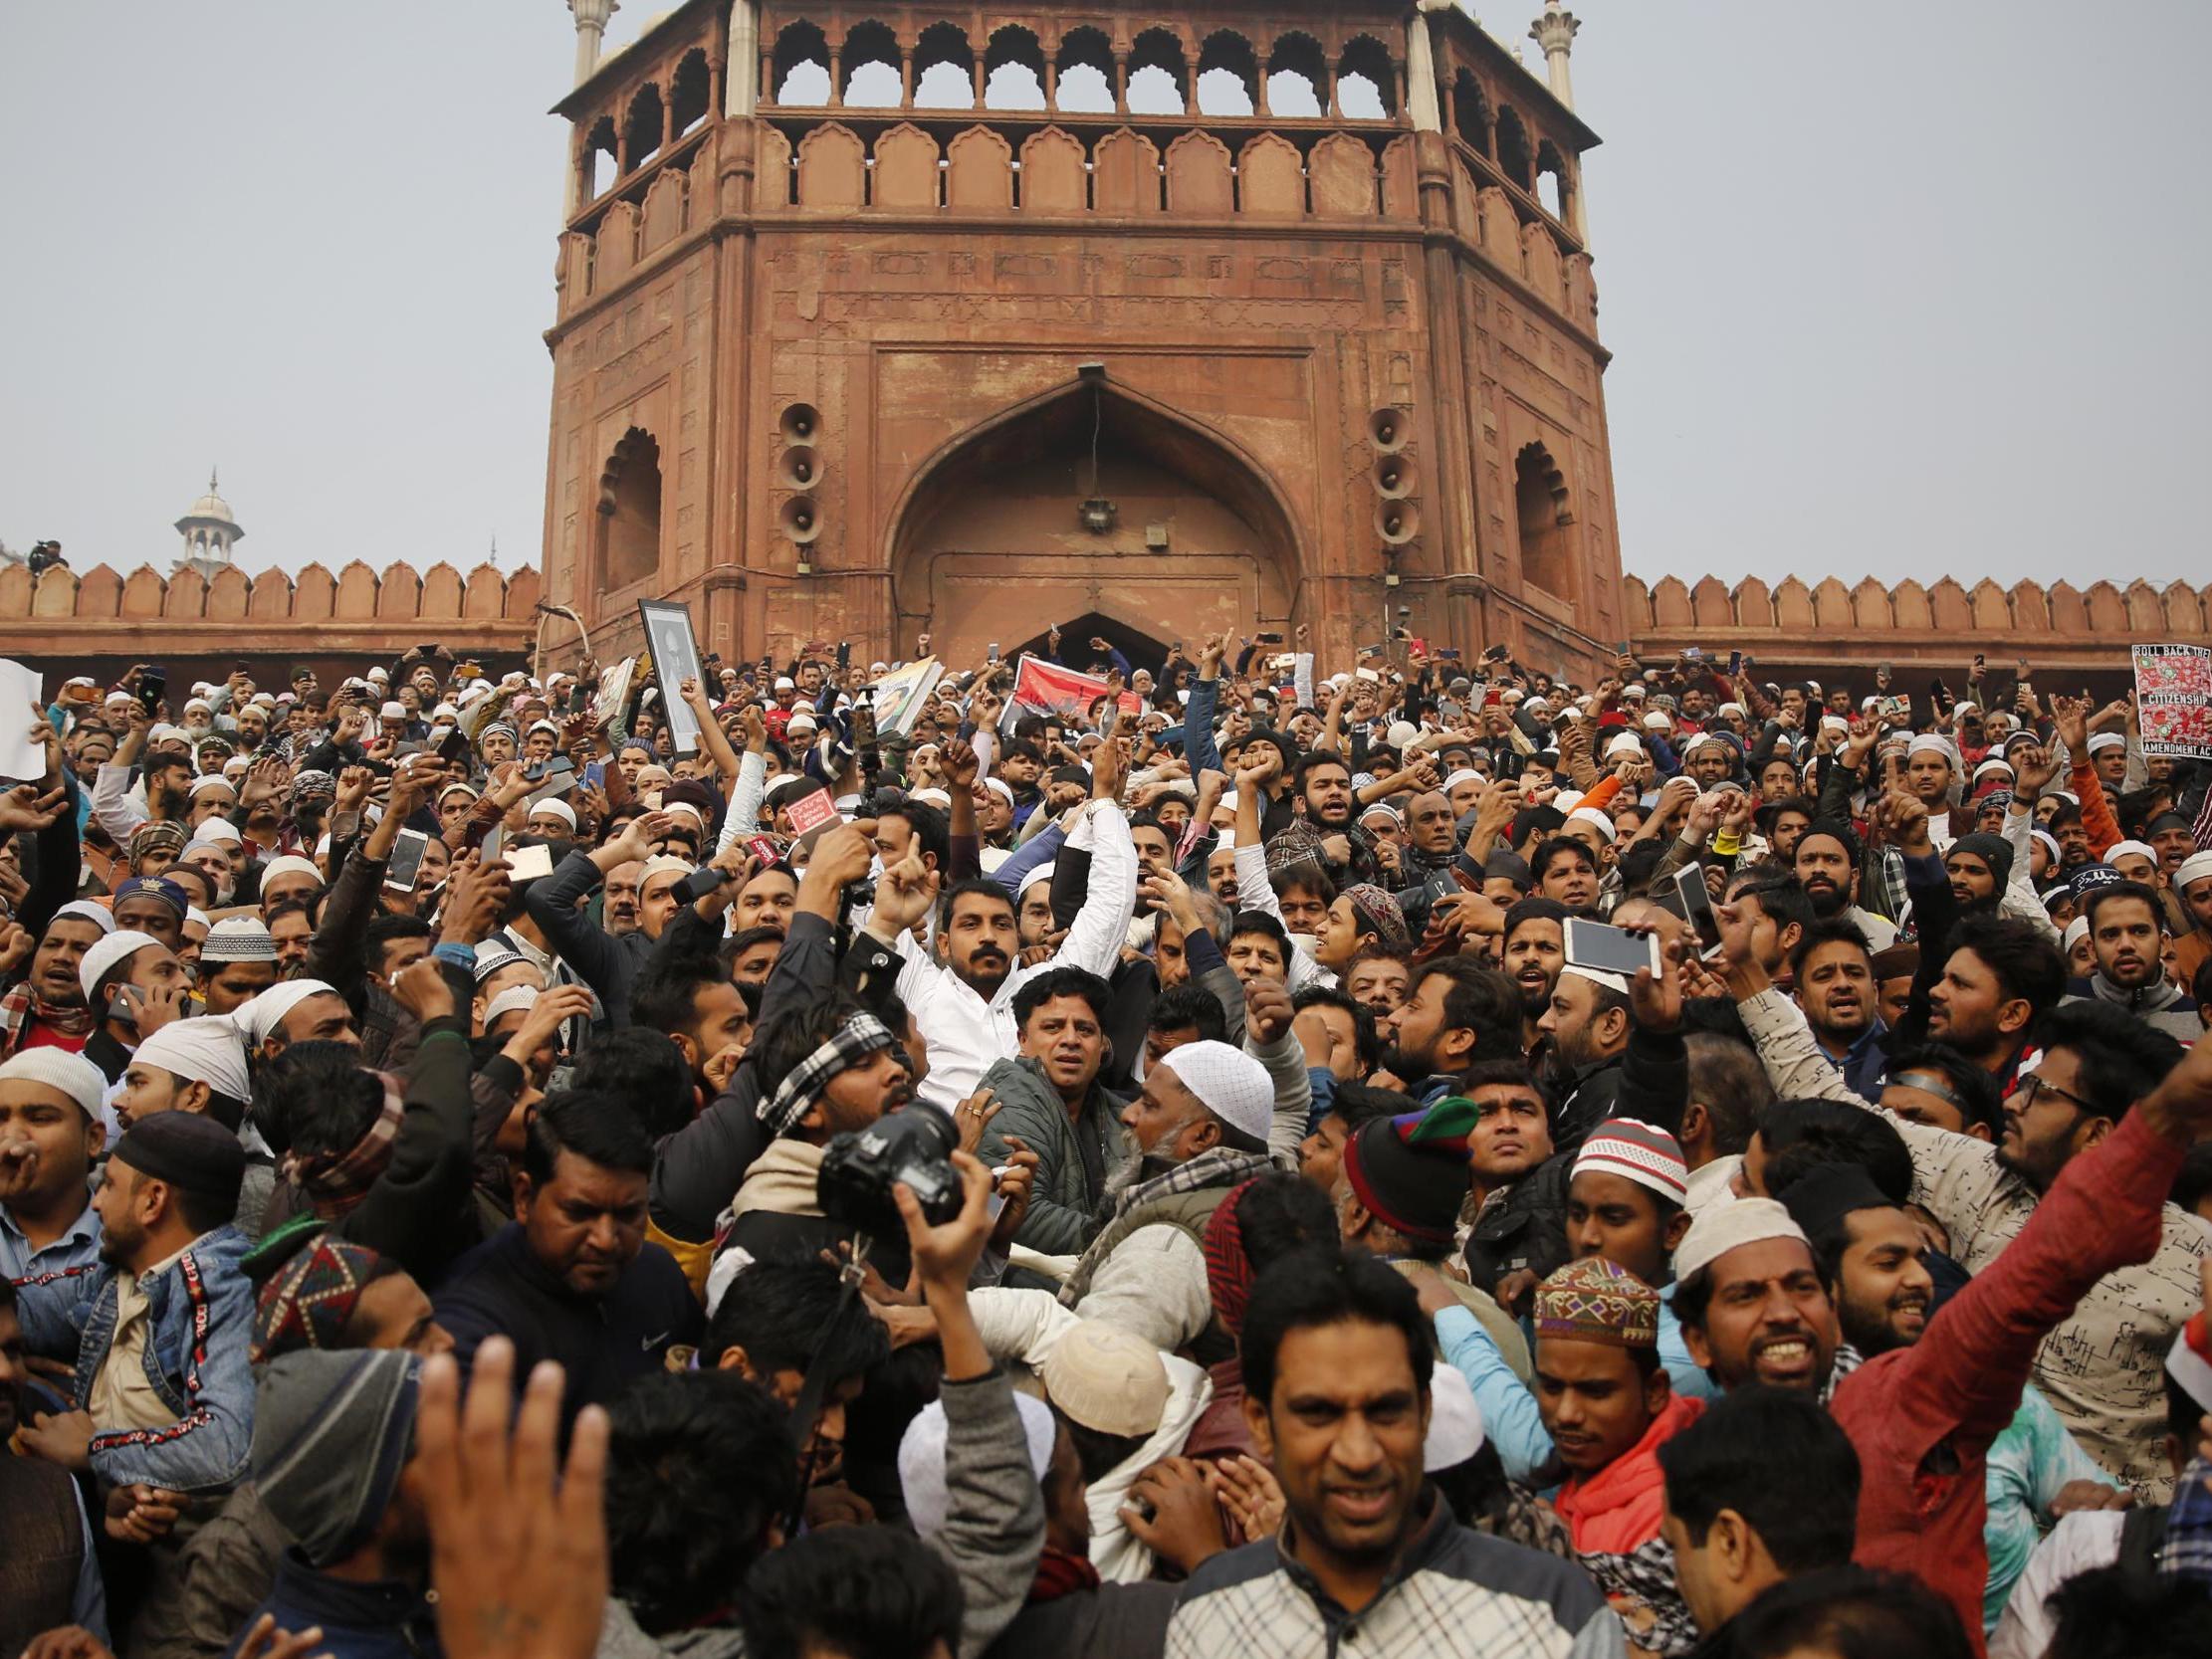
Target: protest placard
x,y
2173,699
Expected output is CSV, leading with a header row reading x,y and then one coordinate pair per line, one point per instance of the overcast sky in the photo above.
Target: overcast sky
x,y
1892,289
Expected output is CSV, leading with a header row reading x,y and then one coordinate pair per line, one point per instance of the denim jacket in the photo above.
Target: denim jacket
x,y
199,1319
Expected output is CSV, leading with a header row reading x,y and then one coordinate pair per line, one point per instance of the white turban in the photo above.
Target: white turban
x,y
206,1050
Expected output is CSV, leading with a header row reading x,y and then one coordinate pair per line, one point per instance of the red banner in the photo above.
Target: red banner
x,y
1046,688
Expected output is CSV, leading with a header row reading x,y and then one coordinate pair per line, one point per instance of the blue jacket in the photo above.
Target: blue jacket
x,y
376,1620
200,1317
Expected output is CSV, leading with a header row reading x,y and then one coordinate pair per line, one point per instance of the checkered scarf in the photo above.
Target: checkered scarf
x,y
335,1182
1644,1579
851,1043
309,1301
23,1007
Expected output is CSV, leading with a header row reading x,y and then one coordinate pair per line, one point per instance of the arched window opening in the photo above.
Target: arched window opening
x,y
869,64
1365,81
1540,500
1159,77
631,511
1229,74
690,92
1297,76
1013,70
799,69
599,160
943,69
641,128
1471,114
1083,74
1512,146
1552,188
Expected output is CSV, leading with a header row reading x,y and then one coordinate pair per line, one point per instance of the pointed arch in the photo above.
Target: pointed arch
x,y
628,529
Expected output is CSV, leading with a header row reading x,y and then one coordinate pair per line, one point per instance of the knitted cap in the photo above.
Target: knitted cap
x,y
1107,1378
187,1151
1594,1301
308,1300
1993,850
1413,1186
1720,1228
238,938
1636,1152
922,1457
1230,1083
1381,913
64,1073
332,1432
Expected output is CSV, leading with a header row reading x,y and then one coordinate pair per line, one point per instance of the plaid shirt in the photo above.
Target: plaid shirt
x,y
1451,1592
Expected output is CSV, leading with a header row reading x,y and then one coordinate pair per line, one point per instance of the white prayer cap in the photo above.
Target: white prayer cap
x,y
1726,1227
1455,1421
922,1476
2105,739
109,953
522,998
1590,815
261,1016
561,809
1230,1083
207,1050
64,1073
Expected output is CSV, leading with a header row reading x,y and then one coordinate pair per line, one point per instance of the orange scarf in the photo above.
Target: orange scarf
x,y
1618,1509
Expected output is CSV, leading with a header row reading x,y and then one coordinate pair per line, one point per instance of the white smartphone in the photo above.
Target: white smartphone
x,y
1608,950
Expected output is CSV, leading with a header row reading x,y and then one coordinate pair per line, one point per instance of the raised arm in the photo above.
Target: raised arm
x,y
1094,939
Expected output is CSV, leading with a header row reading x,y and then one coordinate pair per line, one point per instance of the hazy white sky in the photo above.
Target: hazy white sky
x,y
1892,289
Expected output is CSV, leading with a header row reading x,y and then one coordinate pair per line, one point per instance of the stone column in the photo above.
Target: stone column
x,y
740,85
1421,72
836,77
591,27
1554,33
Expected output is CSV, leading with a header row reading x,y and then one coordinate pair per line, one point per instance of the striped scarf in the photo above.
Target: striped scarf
x,y
335,1182
1229,1271
22,1008
851,1043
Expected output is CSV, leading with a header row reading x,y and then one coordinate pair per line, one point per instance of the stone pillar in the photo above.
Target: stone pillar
x,y
1554,33
1121,82
976,74
1052,84
591,27
1421,73
740,85
906,78
836,77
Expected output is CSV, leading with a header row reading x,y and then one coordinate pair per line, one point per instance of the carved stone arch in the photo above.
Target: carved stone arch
x,y
2031,607
1125,173
616,254
1636,604
1793,605
2070,612
1402,180
1992,612
1947,605
2107,610
944,45
1555,186
1501,233
1200,182
690,92
99,592
143,593
1870,610
662,220
1271,178
485,595
2145,616
1754,603
1365,57
357,592
1466,202
1670,604
960,517
272,597
1164,49
978,172
1712,604
313,595
833,170
799,44
1471,112
1909,602
774,186
905,179
641,125
1544,516
55,594
1013,69
872,45
519,597
1297,76
2184,616
1053,179
228,594
1832,608
1516,158
1083,72
441,591
1228,79
399,593
1340,172
1540,264
626,529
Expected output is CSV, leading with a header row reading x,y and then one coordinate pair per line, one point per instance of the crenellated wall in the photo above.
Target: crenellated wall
x,y
66,622
1938,627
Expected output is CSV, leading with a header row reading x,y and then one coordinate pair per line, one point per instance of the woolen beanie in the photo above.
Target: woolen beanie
x,y
1413,1186
1993,850
332,1432
187,1151
1636,1152
1107,1378
1230,1083
58,1069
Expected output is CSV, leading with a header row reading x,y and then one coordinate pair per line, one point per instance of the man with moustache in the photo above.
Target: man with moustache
x,y
1827,862
2127,937
1535,946
1835,977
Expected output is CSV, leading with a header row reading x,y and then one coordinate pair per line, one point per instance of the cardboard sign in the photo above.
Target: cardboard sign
x,y
2173,699
675,649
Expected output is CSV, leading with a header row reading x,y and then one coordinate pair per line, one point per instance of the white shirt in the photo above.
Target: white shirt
x,y
2080,1543
965,1034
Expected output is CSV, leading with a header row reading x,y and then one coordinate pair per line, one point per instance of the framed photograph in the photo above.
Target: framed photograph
x,y
675,650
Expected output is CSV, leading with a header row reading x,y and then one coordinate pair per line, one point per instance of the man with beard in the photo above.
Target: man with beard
x,y
1336,1367
1211,1118
1827,862
160,1394
1328,822
1587,1027
1535,941
2095,1062
1978,866
1869,1251
1931,775
2127,936
1835,977
963,999
618,900
1460,1012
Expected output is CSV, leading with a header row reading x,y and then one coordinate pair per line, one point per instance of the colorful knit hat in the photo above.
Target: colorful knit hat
x,y
1636,1152
1592,1301
1381,913
312,1297
1414,1187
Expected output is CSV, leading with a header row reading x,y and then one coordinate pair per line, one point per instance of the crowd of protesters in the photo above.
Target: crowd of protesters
x,y
1396,1158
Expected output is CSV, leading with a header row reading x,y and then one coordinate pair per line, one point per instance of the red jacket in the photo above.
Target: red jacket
x,y
1922,1417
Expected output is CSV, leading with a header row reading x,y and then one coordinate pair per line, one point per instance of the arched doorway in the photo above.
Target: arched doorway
x,y
988,542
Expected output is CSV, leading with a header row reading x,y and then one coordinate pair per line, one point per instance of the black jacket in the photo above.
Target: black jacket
x,y
500,1288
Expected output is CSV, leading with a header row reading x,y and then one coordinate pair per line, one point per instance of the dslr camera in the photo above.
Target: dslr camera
x,y
913,1145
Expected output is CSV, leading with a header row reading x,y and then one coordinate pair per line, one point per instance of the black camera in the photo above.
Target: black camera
x,y
913,1145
